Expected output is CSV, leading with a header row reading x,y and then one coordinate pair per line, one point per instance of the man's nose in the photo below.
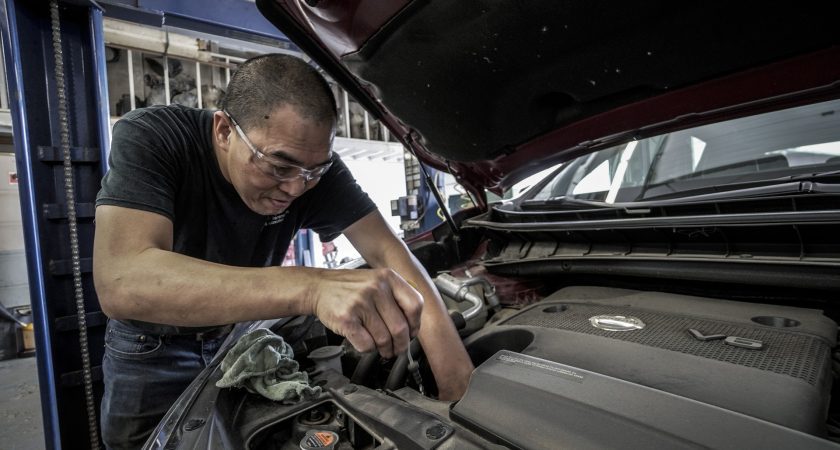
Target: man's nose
x,y
294,187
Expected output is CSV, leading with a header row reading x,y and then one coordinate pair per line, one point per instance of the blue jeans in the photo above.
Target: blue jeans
x,y
144,374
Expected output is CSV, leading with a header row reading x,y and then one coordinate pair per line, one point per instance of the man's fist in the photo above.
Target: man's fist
x,y
372,308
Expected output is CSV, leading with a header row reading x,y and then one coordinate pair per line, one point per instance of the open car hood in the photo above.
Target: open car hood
x,y
493,91
689,304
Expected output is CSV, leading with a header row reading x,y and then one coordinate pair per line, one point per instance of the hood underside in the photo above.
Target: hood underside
x,y
492,91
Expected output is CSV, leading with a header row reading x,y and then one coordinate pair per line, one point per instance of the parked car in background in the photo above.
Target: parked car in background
x,y
673,283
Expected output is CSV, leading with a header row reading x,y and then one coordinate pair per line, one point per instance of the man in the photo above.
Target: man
x,y
192,223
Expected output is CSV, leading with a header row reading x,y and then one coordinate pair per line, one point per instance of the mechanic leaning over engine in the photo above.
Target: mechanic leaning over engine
x,y
192,223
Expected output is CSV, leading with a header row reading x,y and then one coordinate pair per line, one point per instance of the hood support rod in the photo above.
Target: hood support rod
x,y
413,142
443,208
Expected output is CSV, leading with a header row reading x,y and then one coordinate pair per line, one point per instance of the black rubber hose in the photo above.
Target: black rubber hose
x,y
458,320
399,372
364,369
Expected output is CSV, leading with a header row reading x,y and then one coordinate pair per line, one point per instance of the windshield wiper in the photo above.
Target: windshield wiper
x,y
712,193
565,201
806,183
577,205
787,188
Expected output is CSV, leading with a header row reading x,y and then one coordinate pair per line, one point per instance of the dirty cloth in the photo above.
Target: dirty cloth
x,y
262,362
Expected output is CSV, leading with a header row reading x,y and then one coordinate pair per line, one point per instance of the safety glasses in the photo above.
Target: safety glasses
x,y
278,170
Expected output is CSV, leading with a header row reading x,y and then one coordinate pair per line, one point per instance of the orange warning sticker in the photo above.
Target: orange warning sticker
x,y
321,439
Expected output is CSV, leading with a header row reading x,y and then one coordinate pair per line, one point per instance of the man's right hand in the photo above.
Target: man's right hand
x,y
372,308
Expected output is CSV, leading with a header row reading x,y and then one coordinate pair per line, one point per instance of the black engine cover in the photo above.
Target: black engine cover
x,y
786,381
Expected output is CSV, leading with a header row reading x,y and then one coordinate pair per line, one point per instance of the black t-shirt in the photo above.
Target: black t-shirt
x,y
162,160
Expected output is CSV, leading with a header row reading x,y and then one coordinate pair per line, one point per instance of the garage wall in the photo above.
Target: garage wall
x,y
14,282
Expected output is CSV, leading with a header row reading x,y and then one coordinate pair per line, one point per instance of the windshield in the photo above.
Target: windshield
x,y
780,144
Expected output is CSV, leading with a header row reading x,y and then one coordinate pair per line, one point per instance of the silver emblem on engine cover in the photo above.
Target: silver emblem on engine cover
x,y
610,322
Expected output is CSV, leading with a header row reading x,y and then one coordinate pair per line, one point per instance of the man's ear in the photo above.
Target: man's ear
x,y
221,130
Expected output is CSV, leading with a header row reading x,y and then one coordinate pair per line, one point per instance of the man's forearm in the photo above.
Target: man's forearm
x,y
161,286
373,309
137,276
447,356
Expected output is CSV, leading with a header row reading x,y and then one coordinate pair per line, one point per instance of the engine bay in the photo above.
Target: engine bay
x,y
585,366
563,356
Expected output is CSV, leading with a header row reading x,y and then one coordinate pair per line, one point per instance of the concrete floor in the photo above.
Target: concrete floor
x,y
21,425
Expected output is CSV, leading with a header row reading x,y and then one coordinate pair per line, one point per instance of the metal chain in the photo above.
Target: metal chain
x,y
63,119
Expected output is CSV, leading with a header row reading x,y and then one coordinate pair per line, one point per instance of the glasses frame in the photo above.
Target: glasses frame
x,y
306,174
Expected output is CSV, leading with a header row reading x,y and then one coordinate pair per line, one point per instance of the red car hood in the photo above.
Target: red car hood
x,y
493,91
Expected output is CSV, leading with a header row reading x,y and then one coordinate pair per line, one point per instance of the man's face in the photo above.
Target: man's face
x,y
286,143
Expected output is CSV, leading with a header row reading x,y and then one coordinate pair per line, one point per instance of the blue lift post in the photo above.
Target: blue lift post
x,y
30,61
28,54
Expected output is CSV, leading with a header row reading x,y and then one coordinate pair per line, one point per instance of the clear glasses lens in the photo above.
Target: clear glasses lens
x,y
284,172
280,171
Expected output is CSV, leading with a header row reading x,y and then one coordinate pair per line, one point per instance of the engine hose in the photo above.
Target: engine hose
x,y
364,369
401,368
70,197
399,372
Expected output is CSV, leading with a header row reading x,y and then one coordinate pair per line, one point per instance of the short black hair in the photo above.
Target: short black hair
x,y
266,82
